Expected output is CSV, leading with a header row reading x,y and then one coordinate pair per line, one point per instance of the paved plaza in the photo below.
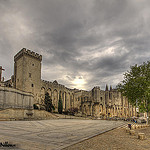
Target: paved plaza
x,y
52,134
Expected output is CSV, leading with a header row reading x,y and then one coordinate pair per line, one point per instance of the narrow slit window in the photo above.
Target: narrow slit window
x,y
29,75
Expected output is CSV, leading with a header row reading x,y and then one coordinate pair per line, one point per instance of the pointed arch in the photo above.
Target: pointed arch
x,y
55,99
50,92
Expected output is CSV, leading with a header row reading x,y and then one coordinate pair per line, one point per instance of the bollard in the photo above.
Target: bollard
x,y
127,130
137,126
132,132
132,127
141,136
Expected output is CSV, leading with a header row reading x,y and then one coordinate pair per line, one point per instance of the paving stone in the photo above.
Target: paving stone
x,y
53,134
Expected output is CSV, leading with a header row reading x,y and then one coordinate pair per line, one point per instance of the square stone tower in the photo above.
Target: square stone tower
x,y
27,72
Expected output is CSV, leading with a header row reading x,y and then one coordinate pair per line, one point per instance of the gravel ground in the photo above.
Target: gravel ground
x,y
116,139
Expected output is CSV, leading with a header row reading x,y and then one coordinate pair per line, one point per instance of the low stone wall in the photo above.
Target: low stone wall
x,y
25,114
42,114
13,98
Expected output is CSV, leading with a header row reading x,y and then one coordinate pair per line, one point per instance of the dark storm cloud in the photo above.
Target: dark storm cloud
x,y
90,40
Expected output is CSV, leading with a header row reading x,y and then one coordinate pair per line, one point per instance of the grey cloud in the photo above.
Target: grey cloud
x,y
71,35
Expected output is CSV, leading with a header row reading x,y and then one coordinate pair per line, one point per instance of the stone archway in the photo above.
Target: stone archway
x,y
68,101
71,101
64,100
50,92
55,99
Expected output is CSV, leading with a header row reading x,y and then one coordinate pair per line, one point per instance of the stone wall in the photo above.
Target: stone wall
x,y
108,103
13,98
55,90
21,114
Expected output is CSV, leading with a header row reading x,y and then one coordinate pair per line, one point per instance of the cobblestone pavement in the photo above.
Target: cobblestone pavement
x,y
52,134
116,139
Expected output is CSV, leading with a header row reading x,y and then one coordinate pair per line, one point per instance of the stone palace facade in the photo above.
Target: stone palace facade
x,y
97,102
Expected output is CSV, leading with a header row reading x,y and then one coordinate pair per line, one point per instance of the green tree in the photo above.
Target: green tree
x,y
48,103
60,105
35,106
136,86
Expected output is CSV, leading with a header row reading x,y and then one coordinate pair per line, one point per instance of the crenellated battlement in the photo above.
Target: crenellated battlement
x,y
27,52
97,87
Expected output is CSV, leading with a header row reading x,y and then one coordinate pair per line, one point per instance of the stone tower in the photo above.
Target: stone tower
x,y
27,72
96,94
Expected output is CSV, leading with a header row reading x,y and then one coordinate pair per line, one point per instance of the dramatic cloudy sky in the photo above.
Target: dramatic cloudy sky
x,y
84,43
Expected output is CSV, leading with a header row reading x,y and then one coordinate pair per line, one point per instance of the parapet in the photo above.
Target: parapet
x,y
27,52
